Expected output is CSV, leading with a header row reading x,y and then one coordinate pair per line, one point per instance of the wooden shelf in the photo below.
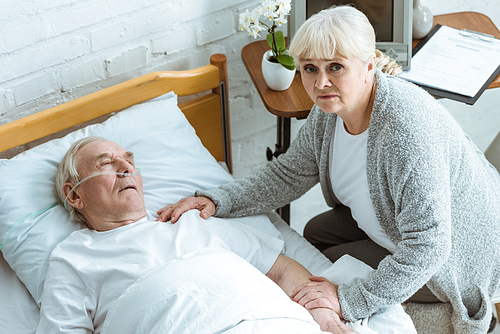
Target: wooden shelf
x,y
293,102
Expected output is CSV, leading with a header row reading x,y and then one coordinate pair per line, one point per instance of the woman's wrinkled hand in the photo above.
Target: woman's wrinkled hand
x,y
318,293
172,212
329,321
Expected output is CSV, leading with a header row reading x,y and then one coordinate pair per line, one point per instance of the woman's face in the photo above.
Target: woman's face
x,y
338,84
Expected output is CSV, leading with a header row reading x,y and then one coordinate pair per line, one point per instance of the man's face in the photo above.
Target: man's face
x,y
111,200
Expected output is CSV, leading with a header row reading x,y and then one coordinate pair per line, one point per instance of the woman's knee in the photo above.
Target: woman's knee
x,y
315,226
333,227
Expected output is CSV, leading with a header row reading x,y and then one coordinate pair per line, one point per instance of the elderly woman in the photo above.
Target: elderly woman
x,y
397,170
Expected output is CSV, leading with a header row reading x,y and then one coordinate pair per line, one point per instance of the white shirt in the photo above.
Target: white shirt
x,y
350,183
89,270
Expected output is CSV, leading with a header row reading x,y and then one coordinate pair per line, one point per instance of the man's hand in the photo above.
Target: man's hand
x,y
318,293
330,322
174,211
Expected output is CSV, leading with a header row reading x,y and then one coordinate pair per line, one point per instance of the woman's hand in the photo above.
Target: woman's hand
x,y
319,293
172,212
329,321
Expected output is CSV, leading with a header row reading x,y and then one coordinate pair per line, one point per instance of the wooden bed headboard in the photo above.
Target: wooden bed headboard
x,y
207,111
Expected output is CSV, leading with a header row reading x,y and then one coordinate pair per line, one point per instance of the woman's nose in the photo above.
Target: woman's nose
x,y
322,80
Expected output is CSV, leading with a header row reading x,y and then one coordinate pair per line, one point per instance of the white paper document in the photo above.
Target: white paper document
x,y
455,60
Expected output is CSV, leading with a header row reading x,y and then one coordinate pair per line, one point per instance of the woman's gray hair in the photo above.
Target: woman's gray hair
x,y
339,29
68,172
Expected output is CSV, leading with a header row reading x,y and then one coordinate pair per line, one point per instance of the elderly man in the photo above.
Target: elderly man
x,y
95,269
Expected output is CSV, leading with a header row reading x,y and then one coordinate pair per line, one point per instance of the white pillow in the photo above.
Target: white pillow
x,y
171,157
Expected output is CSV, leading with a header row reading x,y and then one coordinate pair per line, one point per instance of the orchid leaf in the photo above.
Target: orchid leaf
x,y
286,61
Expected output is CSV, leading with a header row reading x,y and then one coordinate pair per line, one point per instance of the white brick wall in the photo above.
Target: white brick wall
x,y
216,28
134,58
41,84
3,104
194,9
178,40
42,55
89,71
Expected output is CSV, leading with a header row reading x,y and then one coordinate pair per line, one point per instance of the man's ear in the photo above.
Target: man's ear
x,y
74,198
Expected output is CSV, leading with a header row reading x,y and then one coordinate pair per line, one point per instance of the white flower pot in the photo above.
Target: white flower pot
x,y
276,76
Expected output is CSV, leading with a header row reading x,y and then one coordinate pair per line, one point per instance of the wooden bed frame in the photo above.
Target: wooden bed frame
x,y
208,113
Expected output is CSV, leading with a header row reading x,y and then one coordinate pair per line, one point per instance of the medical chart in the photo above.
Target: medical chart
x,y
459,61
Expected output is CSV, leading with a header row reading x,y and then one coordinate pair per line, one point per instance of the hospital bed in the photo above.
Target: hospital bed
x,y
177,125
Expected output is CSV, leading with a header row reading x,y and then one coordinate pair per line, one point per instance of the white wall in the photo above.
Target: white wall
x,y
52,51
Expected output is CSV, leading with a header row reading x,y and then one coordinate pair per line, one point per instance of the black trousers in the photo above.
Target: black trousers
x,y
335,233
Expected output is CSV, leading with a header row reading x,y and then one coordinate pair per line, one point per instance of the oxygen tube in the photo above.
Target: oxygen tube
x,y
94,175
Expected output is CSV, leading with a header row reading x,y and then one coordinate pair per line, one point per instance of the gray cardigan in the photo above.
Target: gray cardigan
x,y
434,194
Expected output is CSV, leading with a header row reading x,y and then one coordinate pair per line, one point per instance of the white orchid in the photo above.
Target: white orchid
x,y
244,21
248,19
284,7
269,6
276,12
281,20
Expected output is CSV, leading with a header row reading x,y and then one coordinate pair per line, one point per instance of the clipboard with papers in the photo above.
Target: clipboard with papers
x,y
455,64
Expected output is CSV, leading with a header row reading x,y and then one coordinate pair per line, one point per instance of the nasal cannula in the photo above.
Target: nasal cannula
x,y
94,175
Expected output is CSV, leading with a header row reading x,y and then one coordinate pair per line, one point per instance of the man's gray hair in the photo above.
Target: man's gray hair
x,y
68,172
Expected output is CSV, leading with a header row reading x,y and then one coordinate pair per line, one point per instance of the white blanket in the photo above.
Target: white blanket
x,y
190,295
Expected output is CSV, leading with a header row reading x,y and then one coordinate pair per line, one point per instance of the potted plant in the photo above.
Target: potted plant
x,y
278,68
